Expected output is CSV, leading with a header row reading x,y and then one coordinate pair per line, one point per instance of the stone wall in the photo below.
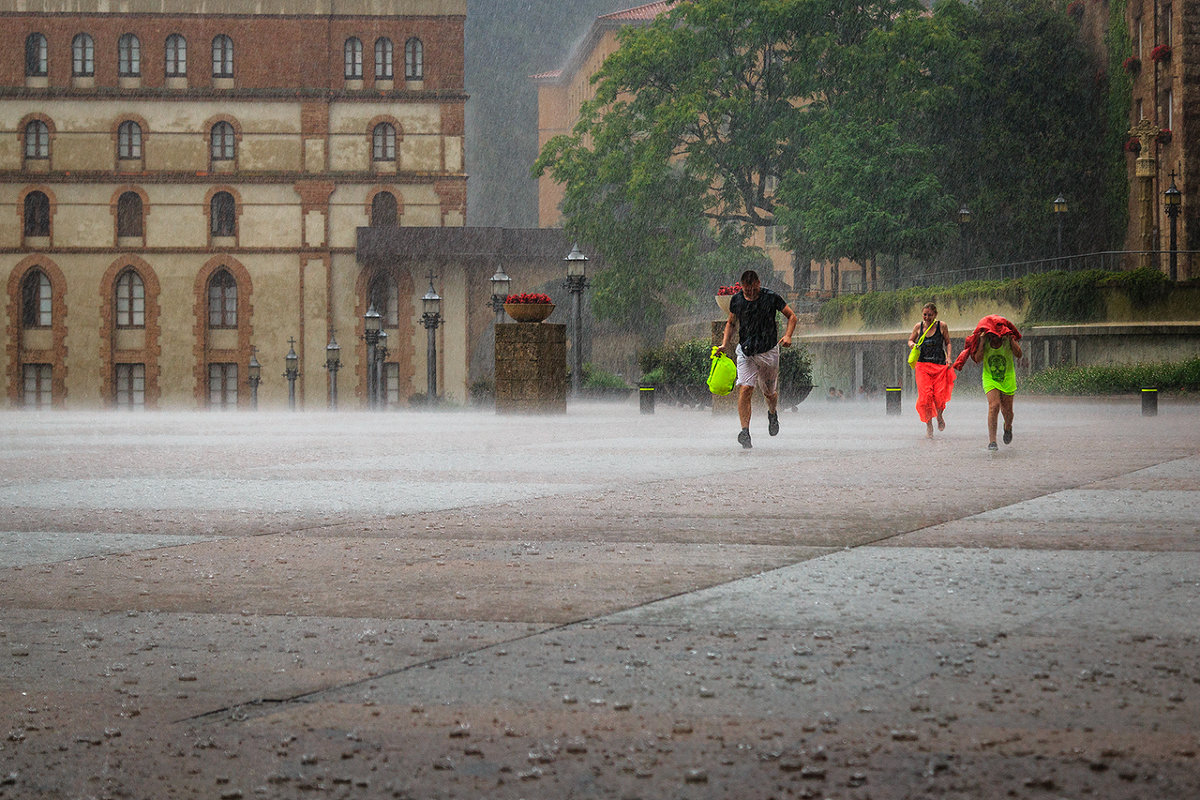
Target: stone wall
x,y
531,367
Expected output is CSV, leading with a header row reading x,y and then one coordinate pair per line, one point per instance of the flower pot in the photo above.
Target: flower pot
x,y
529,312
723,301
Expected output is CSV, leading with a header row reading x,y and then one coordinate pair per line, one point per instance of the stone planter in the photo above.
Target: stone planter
x,y
529,312
723,301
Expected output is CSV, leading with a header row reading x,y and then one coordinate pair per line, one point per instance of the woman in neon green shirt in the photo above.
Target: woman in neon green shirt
x,y
998,356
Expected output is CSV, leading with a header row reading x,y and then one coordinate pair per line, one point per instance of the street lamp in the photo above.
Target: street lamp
x,y
291,371
576,283
964,219
372,323
333,362
254,377
1060,212
500,286
1171,199
381,354
431,318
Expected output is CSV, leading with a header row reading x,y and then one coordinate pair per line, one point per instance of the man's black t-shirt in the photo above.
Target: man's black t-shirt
x,y
758,331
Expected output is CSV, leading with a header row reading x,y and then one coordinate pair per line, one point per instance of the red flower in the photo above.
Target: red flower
x,y
1161,52
528,297
1133,145
1164,136
724,290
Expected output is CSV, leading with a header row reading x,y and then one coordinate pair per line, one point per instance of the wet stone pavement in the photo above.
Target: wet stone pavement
x,y
601,605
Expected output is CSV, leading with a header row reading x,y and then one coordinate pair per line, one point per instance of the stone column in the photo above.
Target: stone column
x,y
531,367
1145,169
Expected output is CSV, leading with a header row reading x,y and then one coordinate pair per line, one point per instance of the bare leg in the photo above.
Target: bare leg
x,y
929,429
772,403
1006,409
993,398
745,393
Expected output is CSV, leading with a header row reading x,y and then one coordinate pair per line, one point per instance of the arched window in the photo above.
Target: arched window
x,y
353,54
223,146
37,214
36,308
129,140
129,214
176,55
222,300
414,60
383,59
129,298
383,210
222,56
385,296
223,210
129,56
83,56
35,56
37,139
383,142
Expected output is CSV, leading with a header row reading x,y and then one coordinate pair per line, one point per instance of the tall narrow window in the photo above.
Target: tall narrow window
x,y
130,300
129,386
36,306
383,59
129,56
354,58
37,140
222,300
129,140
37,214
414,60
222,385
383,142
176,56
222,56
223,210
37,385
383,210
83,56
129,214
35,56
224,142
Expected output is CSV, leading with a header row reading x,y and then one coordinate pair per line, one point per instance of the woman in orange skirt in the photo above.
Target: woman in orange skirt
x,y
935,378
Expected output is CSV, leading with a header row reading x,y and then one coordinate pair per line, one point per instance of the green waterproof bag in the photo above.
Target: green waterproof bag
x,y
722,374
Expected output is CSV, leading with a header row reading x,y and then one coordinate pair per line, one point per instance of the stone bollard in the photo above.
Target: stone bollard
x,y
892,396
646,399
1149,401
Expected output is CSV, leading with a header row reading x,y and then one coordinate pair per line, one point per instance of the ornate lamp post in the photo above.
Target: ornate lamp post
x,y
381,354
1171,200
372,324
964,219
576,283
431,318
333,362
1060,212
291,371
254,377
500,286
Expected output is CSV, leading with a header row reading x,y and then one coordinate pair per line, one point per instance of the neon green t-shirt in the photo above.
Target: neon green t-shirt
x,y
999,370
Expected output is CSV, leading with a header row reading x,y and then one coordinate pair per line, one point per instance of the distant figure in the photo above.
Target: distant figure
x,y
833,394
753,310
935,379
995,345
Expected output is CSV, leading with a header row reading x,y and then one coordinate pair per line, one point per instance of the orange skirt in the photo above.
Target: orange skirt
x,y
935,384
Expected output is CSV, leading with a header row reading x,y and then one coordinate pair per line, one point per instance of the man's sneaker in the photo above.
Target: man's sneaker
x,y
1008,435
993,447
772,423
744,439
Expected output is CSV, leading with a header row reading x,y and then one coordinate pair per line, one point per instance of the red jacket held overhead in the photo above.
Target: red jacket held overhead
x,y
992,323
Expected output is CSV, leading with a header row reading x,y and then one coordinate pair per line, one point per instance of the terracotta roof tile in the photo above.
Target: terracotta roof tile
x,y
646,12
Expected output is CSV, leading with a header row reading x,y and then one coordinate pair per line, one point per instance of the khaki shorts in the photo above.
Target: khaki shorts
x,y
760,369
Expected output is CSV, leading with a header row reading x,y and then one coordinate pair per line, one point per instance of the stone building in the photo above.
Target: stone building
x,y
181,185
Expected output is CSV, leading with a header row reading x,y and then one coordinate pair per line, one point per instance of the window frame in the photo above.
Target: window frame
x,y
35,220
83,56
175,56
222,215
222,298
37,140
352,55
129,141
37,300
129,300
131,216
129,385
222,142
37,60
414,59
42,391
222,385
383,143
129,56
385,217
222,56
384,59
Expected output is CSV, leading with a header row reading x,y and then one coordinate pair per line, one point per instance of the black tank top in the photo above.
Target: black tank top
x,y
933,349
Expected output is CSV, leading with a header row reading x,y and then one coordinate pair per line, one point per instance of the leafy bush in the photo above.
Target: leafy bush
x,y
887,309
686,365
596,378
1181,376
